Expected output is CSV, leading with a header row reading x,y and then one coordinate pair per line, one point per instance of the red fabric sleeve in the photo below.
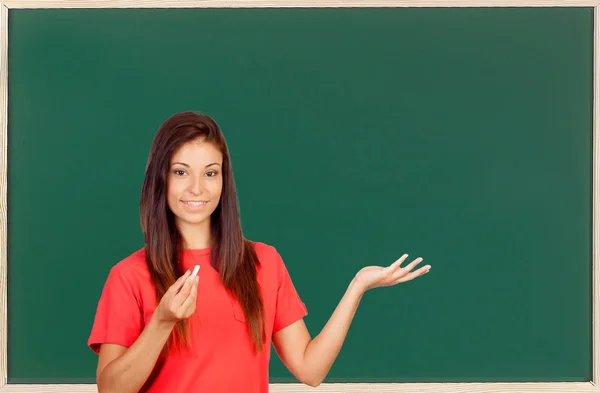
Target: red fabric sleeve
x,y
290,307
119,318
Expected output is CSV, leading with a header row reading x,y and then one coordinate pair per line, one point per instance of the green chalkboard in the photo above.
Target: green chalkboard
x,y
462,135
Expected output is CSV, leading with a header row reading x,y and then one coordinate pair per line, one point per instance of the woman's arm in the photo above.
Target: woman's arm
x,y
310,360
122,369
125,370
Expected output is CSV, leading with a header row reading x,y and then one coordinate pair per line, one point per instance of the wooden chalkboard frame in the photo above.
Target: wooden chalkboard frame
x,y
564,387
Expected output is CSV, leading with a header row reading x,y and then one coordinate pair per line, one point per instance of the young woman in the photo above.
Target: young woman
x,y
157,329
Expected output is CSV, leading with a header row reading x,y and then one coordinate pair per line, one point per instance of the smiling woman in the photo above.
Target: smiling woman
x,y
159,328
194,187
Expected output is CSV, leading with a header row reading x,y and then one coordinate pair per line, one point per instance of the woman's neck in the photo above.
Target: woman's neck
x,y
195,236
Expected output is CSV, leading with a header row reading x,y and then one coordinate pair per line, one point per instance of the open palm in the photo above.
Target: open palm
x,y
376,276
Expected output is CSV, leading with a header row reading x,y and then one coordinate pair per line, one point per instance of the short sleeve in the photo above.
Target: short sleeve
x,y
119,318
289,306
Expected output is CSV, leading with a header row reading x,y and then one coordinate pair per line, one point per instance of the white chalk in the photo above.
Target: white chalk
x,y
196,268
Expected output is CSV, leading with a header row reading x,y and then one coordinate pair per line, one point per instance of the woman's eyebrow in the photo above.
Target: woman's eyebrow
x,y
186,165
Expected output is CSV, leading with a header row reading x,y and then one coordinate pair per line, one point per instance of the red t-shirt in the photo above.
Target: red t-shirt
x,y
222,357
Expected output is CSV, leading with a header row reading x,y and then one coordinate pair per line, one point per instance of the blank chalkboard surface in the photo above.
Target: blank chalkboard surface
x,y
462,135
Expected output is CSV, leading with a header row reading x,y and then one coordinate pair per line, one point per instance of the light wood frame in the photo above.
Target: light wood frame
x,y
561,387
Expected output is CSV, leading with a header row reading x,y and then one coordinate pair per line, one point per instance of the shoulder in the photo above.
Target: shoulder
x,y
131,269
264,251
271,261
268,255
133,262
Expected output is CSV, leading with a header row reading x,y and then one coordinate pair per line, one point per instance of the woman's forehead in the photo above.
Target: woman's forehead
x,y
197,153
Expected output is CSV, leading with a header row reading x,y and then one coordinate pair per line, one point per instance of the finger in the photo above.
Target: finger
x,y
411,265
413,275
406,270
190,301
185,292
179,283
397,263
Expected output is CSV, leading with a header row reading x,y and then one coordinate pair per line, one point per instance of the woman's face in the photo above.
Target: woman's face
x,y
194,184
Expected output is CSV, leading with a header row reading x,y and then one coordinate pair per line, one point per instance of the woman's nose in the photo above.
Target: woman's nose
x,y
197,186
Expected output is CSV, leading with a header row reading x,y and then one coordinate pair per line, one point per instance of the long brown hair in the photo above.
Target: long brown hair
x,y
231,254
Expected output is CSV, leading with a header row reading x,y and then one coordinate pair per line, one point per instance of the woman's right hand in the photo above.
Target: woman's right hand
x,y
179,302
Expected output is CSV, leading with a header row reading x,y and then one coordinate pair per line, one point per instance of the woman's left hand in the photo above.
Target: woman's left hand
x,y
377,276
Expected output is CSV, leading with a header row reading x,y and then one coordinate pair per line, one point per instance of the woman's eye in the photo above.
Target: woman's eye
x,y
212,173
179,172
